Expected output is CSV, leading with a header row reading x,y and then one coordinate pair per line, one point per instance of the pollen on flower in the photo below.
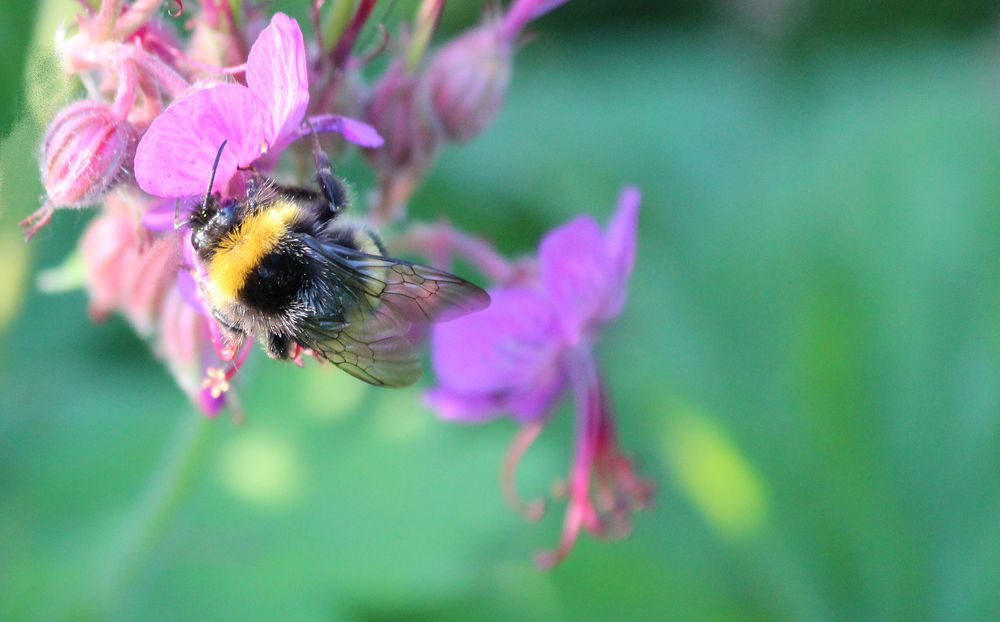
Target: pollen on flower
x,y
216,381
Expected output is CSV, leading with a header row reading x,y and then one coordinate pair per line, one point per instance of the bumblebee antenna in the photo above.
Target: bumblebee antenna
x,y
208,193
215,166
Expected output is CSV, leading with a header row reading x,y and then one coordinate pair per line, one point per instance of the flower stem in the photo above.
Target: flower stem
x,y
164,493
441,241
428,16
336,23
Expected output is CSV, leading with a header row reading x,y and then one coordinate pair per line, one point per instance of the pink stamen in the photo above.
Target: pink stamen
x,y
38,219
161,73
579,512
205,67
217,379
296,357
239,359
104,22
619,492
225,350
534,509
127,86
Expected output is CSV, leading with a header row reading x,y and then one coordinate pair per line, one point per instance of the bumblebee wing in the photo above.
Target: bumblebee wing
x,y
380,298
407,292
369,348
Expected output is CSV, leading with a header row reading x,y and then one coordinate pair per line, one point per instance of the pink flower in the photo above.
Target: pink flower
x,y
261,118
131,270
532,345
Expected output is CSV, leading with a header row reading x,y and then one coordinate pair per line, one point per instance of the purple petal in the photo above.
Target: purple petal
x,y
534,403
463,407
544,6
160,217
620,238
174,158
210,406
277,77
620,244
498,358
358,132
576,273
523,11
164,213
188,253
188,289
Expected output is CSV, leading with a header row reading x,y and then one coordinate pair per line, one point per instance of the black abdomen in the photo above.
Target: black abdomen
x,y
276,282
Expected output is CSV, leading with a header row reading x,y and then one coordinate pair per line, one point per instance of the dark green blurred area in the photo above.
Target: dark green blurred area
x,y
808,366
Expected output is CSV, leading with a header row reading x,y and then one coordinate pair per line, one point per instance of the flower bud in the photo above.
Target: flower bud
x,y
111,245
467,79
84,153
398,109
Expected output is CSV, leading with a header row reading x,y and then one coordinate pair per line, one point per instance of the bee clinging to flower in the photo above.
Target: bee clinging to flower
x,y
286,265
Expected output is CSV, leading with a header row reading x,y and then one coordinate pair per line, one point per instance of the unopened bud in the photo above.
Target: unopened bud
x,y
395,110
83,156
467,80
84,153
398,109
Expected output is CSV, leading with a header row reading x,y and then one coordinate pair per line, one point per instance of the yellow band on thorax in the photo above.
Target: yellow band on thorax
x,y
242,249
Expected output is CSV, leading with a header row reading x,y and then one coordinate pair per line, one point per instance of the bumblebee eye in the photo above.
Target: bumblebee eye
x,y
198,240
226,214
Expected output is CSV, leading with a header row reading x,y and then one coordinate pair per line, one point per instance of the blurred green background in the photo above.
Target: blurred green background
x,y
808,366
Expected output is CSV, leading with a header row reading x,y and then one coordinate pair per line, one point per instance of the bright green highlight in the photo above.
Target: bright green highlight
x,y
715,475
261,468
336,22
14,259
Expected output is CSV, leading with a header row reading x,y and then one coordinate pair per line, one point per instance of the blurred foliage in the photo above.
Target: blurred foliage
x,y
807,366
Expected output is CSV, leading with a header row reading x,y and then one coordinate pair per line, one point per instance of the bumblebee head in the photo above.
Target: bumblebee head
x,y
211,221
215,217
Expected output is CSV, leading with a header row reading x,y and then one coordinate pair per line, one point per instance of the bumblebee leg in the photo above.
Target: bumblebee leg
x,y
254,184
278,346
227,326
332,189
298,193
229,338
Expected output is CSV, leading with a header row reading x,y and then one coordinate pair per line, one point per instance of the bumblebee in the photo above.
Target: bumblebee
x,y
287,266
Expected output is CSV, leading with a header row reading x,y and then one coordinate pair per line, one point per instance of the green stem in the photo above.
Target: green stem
x,y
164,493
336,23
